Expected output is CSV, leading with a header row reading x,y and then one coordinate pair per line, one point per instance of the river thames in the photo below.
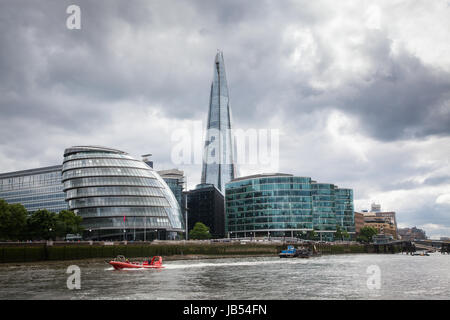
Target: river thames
x,y
326,277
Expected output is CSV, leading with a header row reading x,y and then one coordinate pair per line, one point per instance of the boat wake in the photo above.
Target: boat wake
x,y
232,264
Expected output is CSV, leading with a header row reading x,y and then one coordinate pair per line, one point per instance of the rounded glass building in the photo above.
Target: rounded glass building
x,y
118,197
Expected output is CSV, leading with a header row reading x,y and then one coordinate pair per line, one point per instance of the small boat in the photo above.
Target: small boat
x,y
292,252
121,263
422,254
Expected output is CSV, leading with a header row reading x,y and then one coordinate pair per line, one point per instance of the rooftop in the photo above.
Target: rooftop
x,y
30,171
76,149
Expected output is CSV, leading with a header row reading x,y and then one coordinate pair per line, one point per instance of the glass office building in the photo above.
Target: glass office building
x,y
176,181
119,197
281,205
218,167
345,213
35,189
324,209
206,204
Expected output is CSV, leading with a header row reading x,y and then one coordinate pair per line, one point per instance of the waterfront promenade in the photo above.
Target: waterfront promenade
x,y
54,251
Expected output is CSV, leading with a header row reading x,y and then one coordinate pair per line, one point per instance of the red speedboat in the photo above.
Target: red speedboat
x,y
120,263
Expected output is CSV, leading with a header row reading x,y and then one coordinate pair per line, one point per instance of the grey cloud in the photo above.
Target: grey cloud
x,y
401,100
437,180
62,87
427,213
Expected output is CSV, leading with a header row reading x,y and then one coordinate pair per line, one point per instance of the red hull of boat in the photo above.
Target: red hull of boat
x,y
156,263
121,265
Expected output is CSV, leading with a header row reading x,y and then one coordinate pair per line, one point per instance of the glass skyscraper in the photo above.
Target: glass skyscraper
x,y
285,205
35,189
119,197
218,167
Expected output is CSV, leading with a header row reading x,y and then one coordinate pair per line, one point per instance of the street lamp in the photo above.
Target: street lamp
x,y
186,213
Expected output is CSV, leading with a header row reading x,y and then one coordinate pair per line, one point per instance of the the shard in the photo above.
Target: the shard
x,y
218,167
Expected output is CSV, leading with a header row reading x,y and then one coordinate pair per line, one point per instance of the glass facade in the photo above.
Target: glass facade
x,y
35,189
119,197
345,213
176,181
206,205
218,167
285,205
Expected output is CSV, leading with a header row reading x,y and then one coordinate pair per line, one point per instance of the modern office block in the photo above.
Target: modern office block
x,y
344,209
176,181
146,159
35,189
218,167
119,197
206,205
324,209
281,205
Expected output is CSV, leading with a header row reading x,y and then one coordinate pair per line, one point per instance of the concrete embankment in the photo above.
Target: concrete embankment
x,y
170,250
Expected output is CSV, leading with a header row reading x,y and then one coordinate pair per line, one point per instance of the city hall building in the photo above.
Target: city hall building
x,y
281,205
119,197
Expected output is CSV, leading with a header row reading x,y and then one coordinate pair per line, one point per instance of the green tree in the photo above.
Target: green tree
x,y
5,219
366,233
68,222
200,231
41,224
338,233
341,234
12,221
345,235
311,235
18,222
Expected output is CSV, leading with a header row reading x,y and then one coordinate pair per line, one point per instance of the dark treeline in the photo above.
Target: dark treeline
x,y
16,223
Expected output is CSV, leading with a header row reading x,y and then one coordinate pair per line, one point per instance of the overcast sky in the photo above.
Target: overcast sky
x,y
359,90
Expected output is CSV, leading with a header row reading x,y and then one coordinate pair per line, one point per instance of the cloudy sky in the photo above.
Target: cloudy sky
x,y
359,91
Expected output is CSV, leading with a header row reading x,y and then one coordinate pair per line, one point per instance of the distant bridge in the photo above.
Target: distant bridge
x,y
433,244
412,246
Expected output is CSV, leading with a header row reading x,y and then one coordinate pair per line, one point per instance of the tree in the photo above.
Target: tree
x,y
13,219
5,219
41,224
366,233
18,222
200,231
345,235
68,222
341,234
311,235
338,233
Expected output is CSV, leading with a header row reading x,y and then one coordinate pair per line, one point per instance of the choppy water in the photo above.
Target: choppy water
x,y
326,277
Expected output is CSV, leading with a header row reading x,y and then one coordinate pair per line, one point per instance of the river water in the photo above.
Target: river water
x,y
356,276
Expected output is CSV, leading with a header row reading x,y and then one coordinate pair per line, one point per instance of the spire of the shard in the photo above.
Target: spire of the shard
x,y
218,167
